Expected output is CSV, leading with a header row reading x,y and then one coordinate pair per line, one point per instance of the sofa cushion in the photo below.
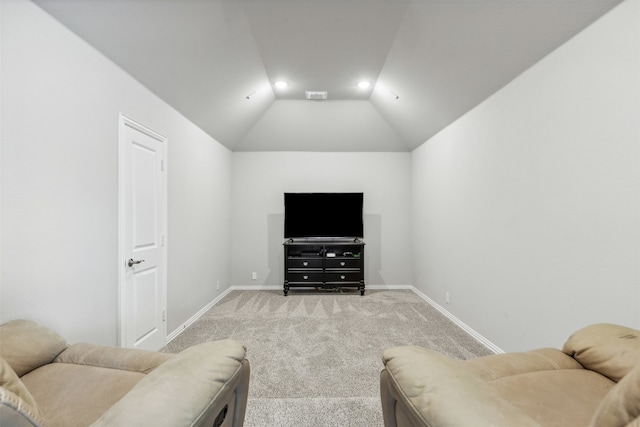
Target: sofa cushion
x,y
72,395
621,406
27,345
441,391
611,350
542,387
537,381
562,398
17,406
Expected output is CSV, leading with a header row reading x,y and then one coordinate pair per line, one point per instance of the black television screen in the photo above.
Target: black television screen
x,y
323,215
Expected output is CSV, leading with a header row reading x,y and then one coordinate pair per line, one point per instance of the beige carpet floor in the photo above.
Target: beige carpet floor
x,y
316,355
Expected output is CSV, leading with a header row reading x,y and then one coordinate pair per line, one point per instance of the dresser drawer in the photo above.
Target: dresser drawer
x,y
342,277
304,263
305,277
343,263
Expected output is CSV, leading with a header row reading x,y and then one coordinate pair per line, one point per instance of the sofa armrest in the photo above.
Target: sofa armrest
x,y
436,390
27,346
190,388
125,359
496,366
621,406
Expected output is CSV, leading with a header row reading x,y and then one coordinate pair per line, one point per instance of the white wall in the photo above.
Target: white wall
x,y
526,210
60,104
260,180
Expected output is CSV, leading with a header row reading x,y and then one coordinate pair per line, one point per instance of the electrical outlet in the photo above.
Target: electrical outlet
x,y
218,285
254,276
447,297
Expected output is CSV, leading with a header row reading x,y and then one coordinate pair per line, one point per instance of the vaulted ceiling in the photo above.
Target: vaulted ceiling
x,y
429,61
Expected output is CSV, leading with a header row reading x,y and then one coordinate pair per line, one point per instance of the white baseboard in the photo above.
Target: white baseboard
x,y
279,287
257,288
196,316
482,340
388,287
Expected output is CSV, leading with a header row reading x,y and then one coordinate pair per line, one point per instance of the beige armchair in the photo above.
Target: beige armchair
x,y
594,381
46,382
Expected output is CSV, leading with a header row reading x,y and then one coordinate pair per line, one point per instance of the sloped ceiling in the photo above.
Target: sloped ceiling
x,y
429,61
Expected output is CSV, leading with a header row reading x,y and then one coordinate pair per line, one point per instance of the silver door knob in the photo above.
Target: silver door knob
x,y
131,262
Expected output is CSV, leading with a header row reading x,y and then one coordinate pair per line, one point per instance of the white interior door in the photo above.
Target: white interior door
x,y
142,237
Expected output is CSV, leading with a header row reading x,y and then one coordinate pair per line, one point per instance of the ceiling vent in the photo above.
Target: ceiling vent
x,y
316,94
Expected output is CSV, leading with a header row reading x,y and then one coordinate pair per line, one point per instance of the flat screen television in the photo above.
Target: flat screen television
x,y
328,215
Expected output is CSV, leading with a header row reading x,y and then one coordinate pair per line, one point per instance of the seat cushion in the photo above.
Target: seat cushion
x,y
17,405
555,398
70,395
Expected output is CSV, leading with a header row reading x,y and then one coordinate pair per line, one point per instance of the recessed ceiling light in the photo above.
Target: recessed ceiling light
x,y
364,84
281,84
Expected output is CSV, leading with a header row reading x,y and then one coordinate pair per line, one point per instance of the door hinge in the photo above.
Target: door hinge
x,y
162,240
162,165
164,315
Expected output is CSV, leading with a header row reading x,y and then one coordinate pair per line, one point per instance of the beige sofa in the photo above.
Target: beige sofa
x,y
593,381
46,382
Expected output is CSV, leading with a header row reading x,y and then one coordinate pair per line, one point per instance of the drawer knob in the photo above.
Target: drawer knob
x,y
342,263
343,277
305,263
305,277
